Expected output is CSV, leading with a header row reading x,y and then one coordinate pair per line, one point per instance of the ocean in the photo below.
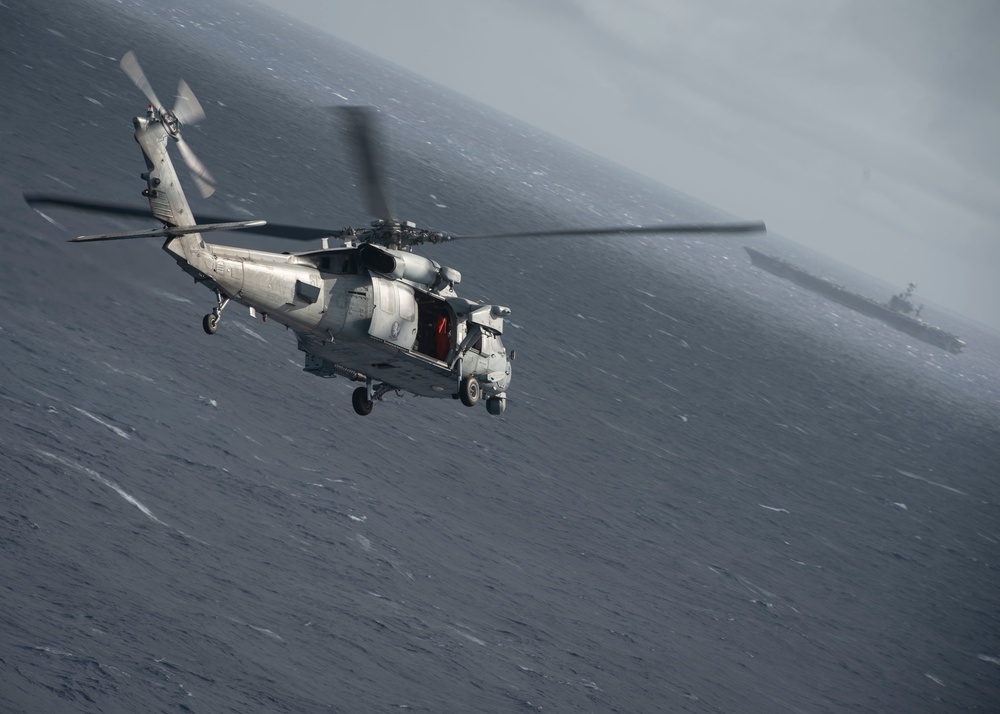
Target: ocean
x,y
711,490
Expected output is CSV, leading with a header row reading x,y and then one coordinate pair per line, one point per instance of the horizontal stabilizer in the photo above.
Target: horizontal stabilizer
x,y
170,231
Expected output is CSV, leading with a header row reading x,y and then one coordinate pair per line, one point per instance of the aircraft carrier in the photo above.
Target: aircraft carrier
x,y
896,318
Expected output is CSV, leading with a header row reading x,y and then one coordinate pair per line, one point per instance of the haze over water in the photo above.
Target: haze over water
x,y
866,131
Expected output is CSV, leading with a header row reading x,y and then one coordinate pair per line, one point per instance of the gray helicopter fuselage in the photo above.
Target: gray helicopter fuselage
x,y
361,321
364,312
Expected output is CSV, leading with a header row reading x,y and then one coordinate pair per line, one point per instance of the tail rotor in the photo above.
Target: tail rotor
x,y
187,110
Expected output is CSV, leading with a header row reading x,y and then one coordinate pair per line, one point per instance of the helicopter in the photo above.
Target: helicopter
x,y
370,310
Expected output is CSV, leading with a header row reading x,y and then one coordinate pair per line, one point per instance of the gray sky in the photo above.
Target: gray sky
x,y
867,130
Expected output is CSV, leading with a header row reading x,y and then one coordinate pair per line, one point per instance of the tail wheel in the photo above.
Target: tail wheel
x,y
362,404
470,391
211,323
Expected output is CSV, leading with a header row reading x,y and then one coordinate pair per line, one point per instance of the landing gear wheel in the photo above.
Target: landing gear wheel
x,y
496,405
470,391
362,404
211,321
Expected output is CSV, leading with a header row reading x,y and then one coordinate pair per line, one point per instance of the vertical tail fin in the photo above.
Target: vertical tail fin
x,y
163,189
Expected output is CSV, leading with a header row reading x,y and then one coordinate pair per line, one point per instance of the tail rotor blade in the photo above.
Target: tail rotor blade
x,y
205,181
130,65
187,109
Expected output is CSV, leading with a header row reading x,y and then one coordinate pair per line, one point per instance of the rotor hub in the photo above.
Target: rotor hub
x,y
170,123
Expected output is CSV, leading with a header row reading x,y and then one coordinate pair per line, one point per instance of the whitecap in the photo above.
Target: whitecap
x,y
460,631
659,312
103,423
265,631
106,482
51,220
168,295
932,483
772,508
114,369
243,328
59,180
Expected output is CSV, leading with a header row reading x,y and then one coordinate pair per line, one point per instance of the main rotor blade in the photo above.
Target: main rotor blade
x,y
206,184
187,109
280,230
170,231
130,65
311,233
747,227
363,134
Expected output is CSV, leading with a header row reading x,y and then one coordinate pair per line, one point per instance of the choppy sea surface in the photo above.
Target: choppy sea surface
x,y
711,491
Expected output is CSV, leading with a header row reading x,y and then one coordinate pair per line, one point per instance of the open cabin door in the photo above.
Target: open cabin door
x,y
394,317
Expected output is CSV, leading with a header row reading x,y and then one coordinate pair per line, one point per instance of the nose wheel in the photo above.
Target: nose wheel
x,y
469,391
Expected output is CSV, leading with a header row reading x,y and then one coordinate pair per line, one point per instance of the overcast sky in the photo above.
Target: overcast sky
x,y
867,130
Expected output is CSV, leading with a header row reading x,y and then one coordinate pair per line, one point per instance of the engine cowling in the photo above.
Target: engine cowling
x,y
396,265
